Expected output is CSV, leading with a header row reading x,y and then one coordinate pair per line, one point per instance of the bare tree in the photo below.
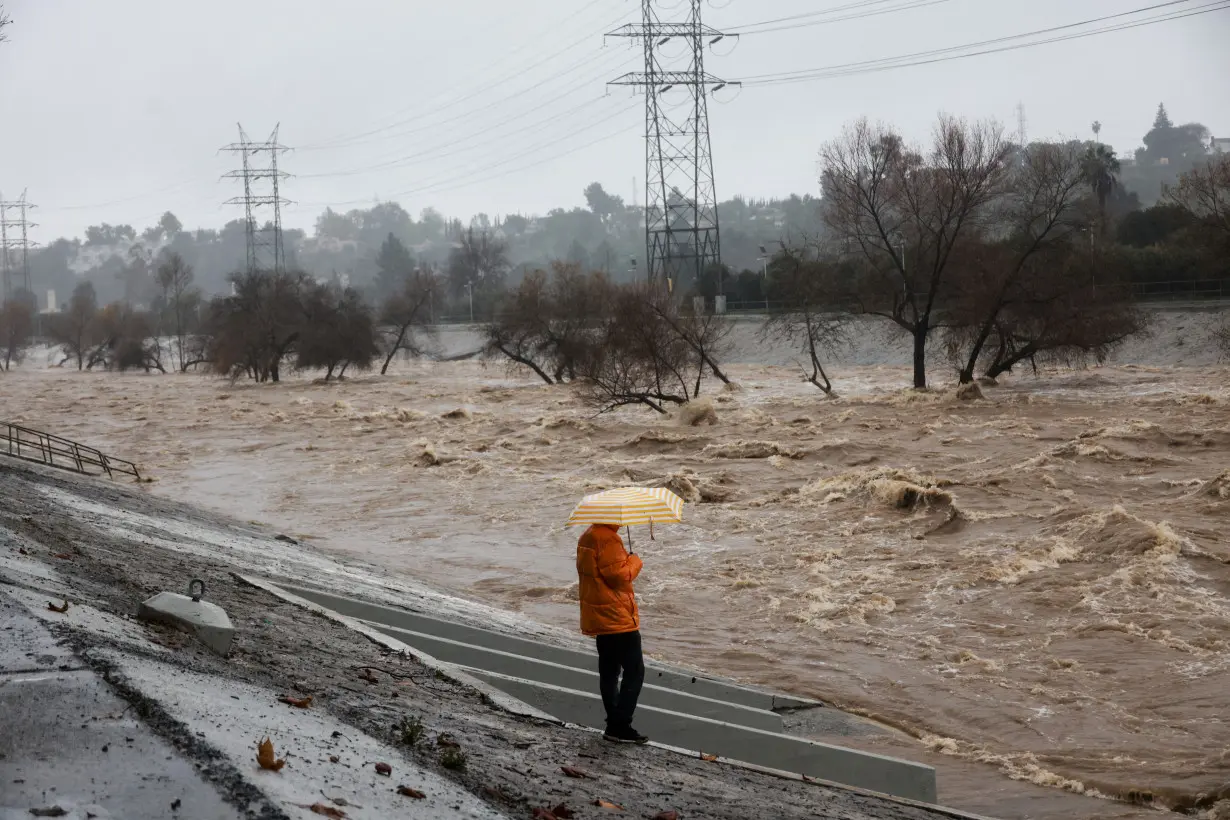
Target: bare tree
x,y
707,334
905,214
181,302
1035,221
5,22
550,321
16,331
73,329
477,264
254,331
1061,317
639,358
1205,193
407,315
125,339
337,331
810,314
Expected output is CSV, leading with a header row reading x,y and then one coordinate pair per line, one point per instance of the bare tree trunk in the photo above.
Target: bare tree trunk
x,y
401,336
921,331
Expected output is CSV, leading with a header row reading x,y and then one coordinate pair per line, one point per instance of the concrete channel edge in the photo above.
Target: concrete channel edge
x,y
515,706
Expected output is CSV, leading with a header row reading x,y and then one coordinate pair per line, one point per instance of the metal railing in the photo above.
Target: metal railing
x,y
44,448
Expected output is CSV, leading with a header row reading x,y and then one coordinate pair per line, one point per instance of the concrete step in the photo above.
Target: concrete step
x,y
655,673
524,667
900,778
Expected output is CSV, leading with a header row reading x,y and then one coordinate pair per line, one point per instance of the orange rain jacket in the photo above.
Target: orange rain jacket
x,y
607,570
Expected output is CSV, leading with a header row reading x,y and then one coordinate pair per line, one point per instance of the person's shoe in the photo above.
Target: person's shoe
x,y
625,734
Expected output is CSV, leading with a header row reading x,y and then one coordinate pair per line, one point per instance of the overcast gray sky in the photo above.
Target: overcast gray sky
x,y
114,111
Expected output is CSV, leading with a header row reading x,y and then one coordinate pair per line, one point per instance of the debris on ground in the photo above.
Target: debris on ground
x,y
266,758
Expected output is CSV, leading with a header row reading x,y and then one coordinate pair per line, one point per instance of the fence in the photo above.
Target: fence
x,y
44,448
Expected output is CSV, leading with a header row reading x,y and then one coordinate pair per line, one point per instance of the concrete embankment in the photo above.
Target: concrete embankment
x,y
197,717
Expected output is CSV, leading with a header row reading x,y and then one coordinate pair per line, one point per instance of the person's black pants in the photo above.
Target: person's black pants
x,y
616,654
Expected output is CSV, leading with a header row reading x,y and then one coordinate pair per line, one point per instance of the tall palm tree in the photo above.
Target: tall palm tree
x,y
1100,169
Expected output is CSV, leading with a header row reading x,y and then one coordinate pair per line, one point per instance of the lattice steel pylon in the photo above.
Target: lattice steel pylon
x,y
264,243
20,241
682,236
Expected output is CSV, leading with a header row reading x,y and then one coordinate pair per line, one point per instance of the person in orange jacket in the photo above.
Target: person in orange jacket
x,y
609,615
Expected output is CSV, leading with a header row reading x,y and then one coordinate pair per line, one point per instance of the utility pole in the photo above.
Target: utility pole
x,y
681,219
1022,131
264,244
21,240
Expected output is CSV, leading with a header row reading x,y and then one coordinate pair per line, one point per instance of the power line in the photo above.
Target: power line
x,y
455,146
765,28
537,148
946,54
482,89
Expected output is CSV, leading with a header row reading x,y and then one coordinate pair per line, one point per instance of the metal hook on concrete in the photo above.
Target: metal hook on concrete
x,y
194,583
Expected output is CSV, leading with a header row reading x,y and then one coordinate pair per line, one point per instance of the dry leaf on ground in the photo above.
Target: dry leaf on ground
x,y
266,758
63,556
384,769
334,759
607,804
406,791
322,809
62,608
709,758
300,703
446,741
666,815
571,772
563,812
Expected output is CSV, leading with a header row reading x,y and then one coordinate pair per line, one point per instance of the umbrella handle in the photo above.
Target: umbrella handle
x,y
629,529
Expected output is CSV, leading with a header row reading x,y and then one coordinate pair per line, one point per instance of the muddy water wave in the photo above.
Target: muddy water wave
x,y
1036,583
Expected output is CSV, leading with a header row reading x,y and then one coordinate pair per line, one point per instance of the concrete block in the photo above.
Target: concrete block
x,y
586,680
864,770
208,622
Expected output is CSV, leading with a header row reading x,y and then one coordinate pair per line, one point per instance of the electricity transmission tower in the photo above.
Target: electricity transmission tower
x,y
681,218
261,189
20,240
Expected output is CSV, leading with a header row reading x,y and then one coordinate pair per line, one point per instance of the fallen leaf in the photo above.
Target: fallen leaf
x,y
321,808
63,556
446,741
340,801
384,769
571,772
266,758
176,803
606,804
301,703
666,815
369,676
544,814
563,812
334,759
22,550
50,811
807,779
62,608
406,791
495,793
709,758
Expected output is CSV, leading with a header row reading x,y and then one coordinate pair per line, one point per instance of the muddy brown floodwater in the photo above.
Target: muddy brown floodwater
x,y
1036,582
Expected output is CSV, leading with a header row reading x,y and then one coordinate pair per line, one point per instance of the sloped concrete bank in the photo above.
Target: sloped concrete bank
x,y
104,548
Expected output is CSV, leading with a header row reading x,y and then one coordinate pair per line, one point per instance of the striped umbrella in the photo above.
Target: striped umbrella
x,y
626,506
